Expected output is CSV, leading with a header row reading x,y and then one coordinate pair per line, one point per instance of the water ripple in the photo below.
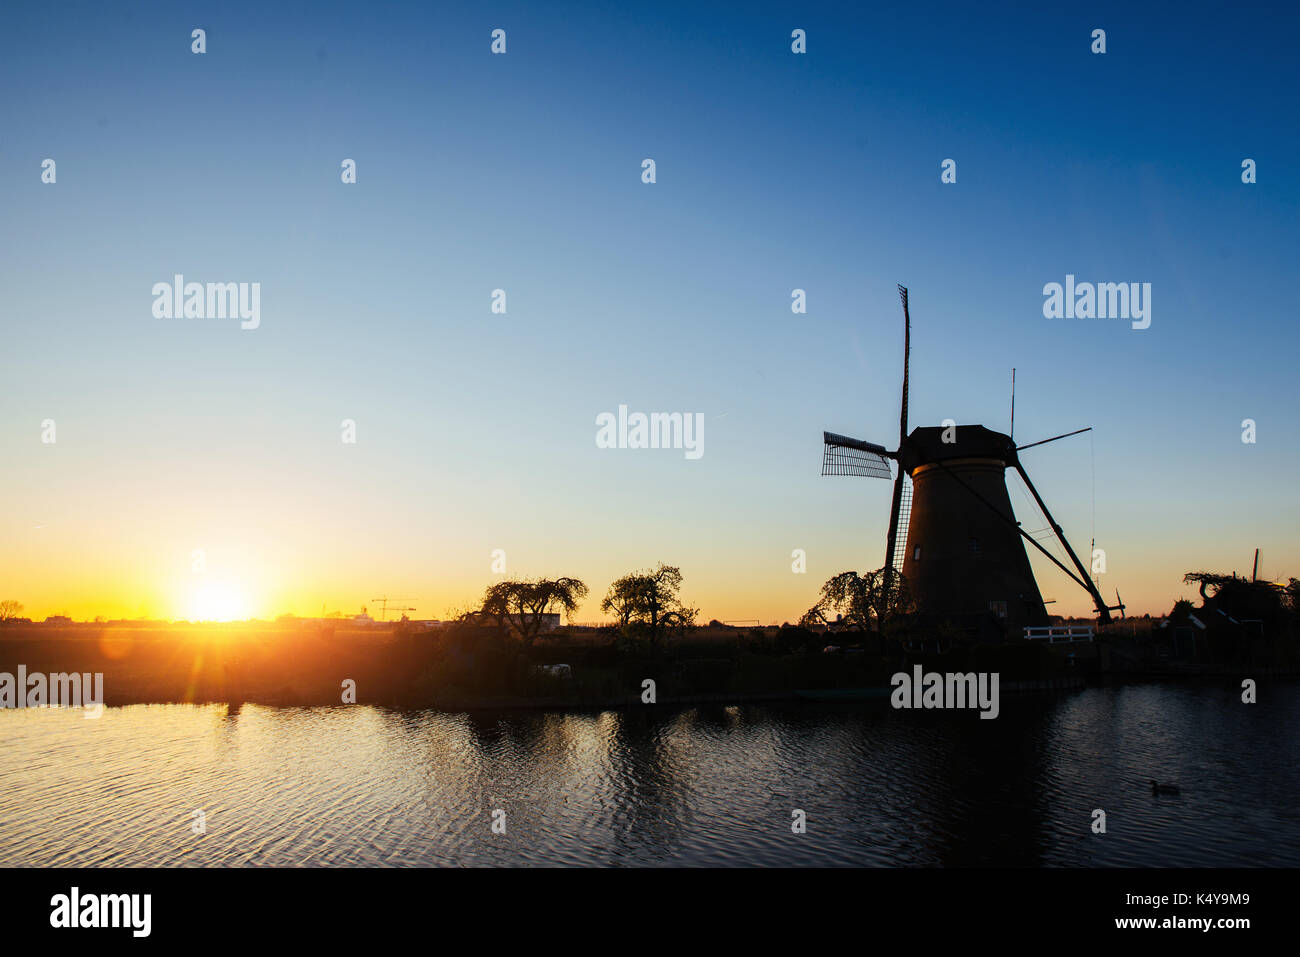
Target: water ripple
x,y
702,786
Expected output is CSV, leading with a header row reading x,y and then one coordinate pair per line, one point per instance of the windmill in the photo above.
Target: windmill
x,y
963,555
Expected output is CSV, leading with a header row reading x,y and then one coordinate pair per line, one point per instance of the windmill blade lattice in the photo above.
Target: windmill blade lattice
x,y
846,456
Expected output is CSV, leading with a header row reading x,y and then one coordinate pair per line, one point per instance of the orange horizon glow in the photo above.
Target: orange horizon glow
x,y
226,599
194,555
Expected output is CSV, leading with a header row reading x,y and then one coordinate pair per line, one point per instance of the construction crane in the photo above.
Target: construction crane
x,y
385,602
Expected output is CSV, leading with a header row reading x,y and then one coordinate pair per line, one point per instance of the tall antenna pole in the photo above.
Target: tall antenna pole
x,y
1254,575
1013,402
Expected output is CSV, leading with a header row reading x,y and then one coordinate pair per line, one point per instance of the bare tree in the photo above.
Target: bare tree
x,y
10,609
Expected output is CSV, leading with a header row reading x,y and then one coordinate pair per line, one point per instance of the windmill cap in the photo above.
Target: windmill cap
x,y
926,444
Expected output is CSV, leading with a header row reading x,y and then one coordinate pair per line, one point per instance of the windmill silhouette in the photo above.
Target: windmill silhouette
x,y
963,556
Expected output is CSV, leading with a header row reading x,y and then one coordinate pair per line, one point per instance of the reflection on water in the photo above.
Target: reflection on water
x,y
713,786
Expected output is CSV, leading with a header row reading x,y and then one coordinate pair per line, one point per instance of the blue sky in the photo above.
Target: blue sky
x,y
775,171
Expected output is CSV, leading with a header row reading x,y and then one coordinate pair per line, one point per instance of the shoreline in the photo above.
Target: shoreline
x,y
469,671
489,703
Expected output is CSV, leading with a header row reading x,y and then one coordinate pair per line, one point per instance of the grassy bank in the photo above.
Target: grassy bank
x,y
307,663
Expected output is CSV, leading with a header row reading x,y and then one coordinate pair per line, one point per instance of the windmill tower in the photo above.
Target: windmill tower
x,y
953,535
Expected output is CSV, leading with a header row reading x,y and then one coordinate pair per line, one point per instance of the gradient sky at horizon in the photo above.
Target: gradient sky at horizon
x,y
775,171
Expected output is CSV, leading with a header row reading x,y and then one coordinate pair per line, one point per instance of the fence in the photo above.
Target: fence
x,y
1059,633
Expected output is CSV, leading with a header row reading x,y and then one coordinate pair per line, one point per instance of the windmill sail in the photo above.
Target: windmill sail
x,y
846,456
904,516
892,552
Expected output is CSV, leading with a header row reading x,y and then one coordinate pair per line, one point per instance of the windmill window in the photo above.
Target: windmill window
x,y
916,553
998,608
974,546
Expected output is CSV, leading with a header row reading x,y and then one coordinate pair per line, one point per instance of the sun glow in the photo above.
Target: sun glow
x,y
219,601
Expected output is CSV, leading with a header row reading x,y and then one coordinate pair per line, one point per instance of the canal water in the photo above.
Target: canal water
x,y
216,785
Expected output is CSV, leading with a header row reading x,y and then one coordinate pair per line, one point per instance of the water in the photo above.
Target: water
x,y
703,786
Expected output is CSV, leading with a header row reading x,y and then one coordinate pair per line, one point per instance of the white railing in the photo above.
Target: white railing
x,y
1060,633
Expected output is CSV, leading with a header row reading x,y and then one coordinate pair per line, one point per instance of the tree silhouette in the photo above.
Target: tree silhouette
x,y
647,601
861,601
518,606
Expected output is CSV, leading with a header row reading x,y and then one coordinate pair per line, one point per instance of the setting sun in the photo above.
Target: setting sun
x,y
218,601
